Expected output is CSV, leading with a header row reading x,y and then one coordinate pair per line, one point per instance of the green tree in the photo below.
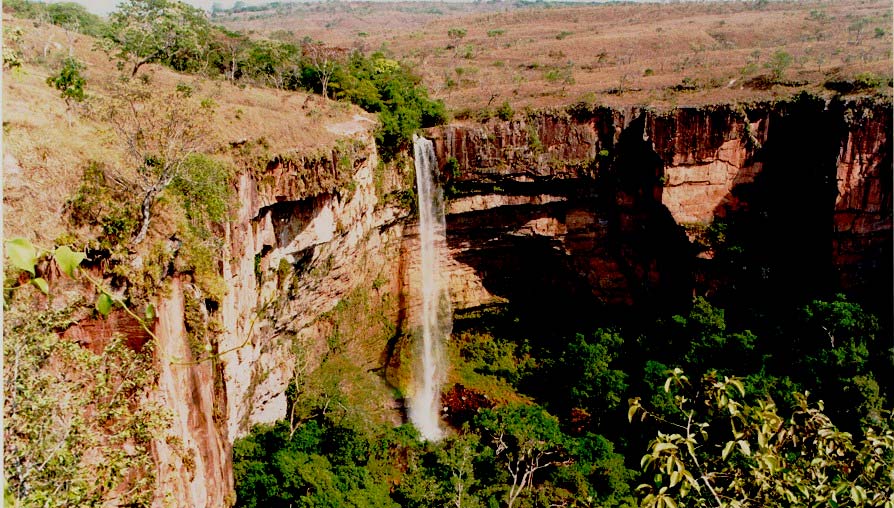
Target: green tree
x,y
835,343
161,31
271,61
226,52
69,81
382,85
716,449
777,65
76,17
457,456
587,366
524,438
324,60
705,342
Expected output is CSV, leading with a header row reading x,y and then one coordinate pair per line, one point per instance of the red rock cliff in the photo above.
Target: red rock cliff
x,y
619,197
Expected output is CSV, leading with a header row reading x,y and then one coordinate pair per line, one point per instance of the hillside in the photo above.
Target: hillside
x,y
51,147
662,55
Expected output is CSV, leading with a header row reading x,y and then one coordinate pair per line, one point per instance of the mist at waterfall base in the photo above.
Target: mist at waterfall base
x,y
436,319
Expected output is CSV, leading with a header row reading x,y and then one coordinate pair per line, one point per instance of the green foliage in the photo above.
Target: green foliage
x,y
161,31
864,81
12,54
101,203
69,15
496,357
718,449
68,260
587,368
78,423
456,33
319,463
563,34
534,138
505,111
104,304
204,191
779,62
703,338
832,352
69,81
381,85
204,185
22,254
524,439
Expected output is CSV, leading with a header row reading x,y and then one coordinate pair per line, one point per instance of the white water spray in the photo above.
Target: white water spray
x,y
437,318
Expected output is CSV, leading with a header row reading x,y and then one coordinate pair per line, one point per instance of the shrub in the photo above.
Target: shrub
x,y
777,65
456,33
505,111
69,81
97,203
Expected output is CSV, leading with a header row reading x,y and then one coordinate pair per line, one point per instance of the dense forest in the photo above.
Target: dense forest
x,y
765,395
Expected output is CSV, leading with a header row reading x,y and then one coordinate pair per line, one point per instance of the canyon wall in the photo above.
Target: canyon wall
x,y
561,212
616,205
310,233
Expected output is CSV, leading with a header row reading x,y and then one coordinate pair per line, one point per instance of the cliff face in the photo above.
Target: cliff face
x,y
861,243
618,202
294,256
560,213
309,232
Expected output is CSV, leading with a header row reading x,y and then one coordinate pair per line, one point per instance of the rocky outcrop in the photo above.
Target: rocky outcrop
x,y
861,246
632,192
193,461
296,251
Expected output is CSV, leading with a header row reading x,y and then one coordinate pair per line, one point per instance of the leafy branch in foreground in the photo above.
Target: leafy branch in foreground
x,y
78,420
717,450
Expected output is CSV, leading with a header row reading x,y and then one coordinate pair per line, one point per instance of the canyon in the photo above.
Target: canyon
x,y
564,213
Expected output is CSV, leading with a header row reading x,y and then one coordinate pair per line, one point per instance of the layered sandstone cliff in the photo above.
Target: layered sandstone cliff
x,y
619,199
560,212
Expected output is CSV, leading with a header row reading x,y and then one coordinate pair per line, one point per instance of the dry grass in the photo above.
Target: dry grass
x,y
342,23
546,56
47,148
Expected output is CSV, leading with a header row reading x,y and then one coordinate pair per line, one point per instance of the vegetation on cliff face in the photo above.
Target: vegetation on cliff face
x,y
77,420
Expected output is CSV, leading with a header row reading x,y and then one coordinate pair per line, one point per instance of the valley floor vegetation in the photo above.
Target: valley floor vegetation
x,y
687,410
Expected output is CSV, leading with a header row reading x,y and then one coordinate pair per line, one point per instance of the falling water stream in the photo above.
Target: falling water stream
x,y
436,319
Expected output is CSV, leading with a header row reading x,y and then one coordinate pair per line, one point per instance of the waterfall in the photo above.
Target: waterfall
x,y
437,318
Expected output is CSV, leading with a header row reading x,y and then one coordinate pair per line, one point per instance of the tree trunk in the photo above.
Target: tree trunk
x,y
146,209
